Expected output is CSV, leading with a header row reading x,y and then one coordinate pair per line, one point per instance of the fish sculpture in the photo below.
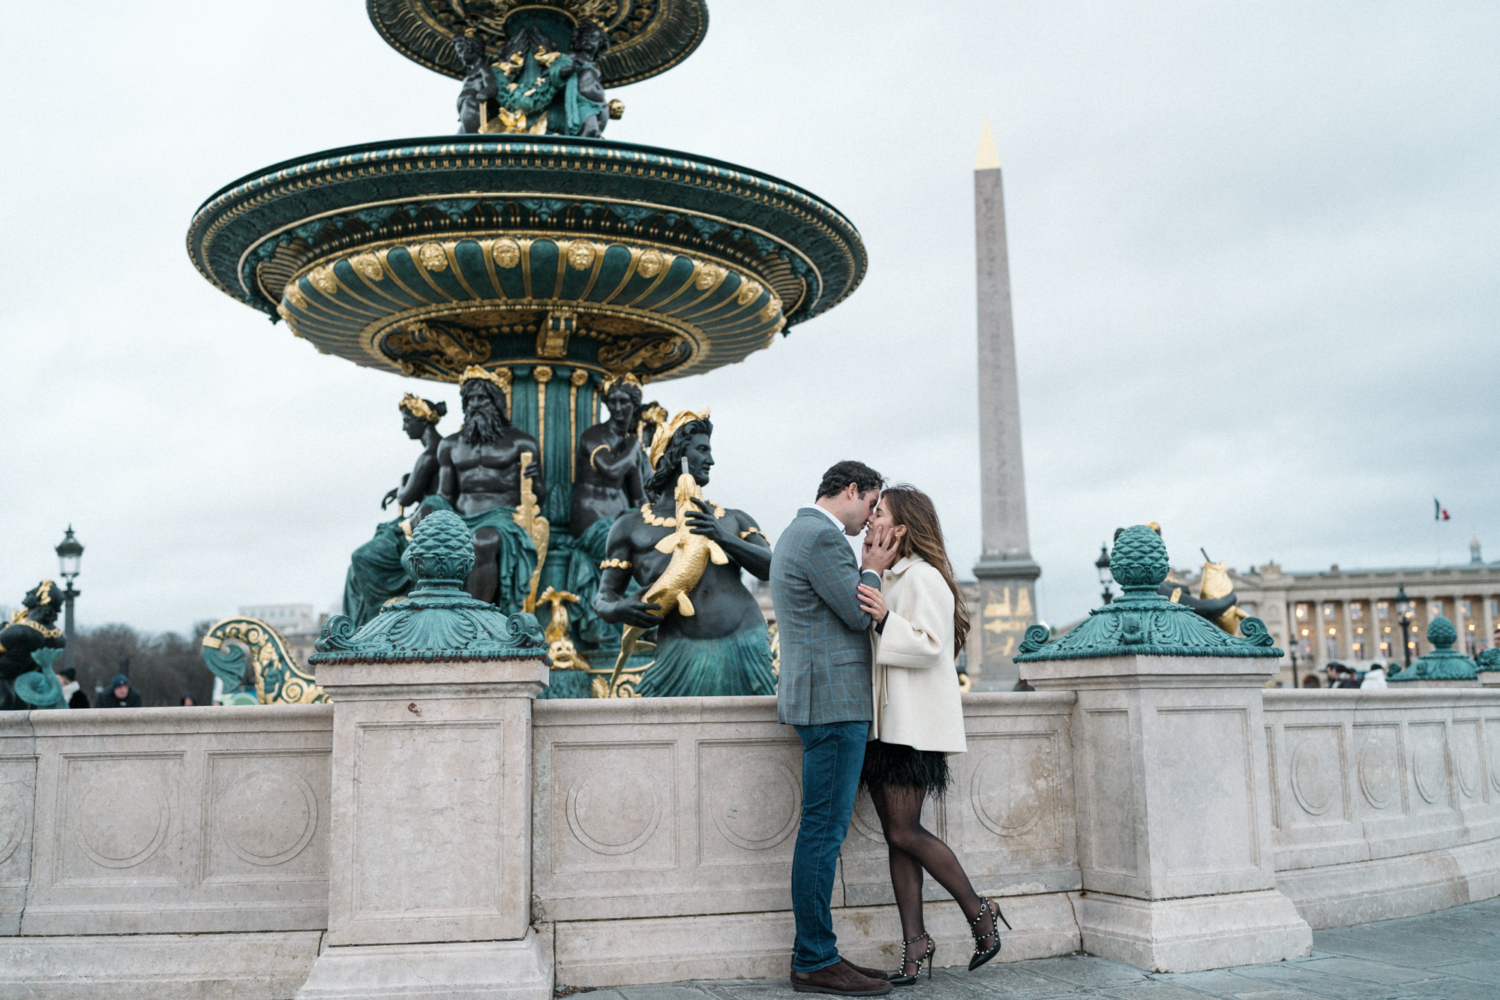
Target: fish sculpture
x,y
690,558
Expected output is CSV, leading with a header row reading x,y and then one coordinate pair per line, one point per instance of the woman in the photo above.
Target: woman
x,y
921,623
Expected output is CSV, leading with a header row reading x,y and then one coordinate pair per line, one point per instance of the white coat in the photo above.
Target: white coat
x,y
916,696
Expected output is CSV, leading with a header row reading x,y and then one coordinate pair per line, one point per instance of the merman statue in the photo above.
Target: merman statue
x,y
1215,600
376,574
490,474
711,637
29,630
607,484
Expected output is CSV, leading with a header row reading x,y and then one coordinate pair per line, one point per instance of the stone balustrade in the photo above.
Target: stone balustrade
x,y
182,845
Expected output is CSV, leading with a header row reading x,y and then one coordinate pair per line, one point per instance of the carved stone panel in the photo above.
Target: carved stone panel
x,y
1314,775
1492,755
613,806
405,865
265,821
1468,770
1011,791
1378,769
17,789
120,819
1429,766
1111,790
749,801
1209,776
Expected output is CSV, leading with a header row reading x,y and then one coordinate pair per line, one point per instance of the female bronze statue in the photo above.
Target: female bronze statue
x,y
375,571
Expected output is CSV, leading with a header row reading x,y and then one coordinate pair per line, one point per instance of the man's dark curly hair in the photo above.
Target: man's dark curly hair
x,y
838,478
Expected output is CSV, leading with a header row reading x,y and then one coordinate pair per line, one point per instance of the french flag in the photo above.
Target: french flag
x,y
1438,512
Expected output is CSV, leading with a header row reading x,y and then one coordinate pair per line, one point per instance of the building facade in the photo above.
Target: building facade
x,y
1349,615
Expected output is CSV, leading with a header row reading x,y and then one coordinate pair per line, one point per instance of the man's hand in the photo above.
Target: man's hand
x,y
879,551
703,522
872,602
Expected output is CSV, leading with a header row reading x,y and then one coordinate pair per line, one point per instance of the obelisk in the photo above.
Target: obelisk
x,y
1006,573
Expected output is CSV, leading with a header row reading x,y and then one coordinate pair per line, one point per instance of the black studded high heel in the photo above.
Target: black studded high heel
x,y
901,978
981,953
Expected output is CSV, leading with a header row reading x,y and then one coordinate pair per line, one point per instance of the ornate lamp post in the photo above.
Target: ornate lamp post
x,y
1105,579
69,555
1403,617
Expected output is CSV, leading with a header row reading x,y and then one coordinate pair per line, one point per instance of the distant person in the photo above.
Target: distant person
x,y
1374,679
188,701
1348,678
920,624
72,690
1311,681
120,694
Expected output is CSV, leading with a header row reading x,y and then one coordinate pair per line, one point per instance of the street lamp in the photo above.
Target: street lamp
x,y
1403,617
69,555
1105,579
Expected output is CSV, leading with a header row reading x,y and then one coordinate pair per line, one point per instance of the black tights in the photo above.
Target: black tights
x,y
911,849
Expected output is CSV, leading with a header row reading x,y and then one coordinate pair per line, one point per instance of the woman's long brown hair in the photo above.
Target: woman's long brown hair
x,y
924,537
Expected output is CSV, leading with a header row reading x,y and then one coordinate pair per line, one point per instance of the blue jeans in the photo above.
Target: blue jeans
x,y
832,756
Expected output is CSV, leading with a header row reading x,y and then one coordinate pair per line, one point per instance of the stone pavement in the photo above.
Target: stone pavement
x,y
1450,955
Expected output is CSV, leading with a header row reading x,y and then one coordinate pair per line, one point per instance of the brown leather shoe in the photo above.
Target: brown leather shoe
x,y
841,980
872,973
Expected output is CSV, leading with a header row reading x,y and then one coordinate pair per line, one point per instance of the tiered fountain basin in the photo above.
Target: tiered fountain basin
x,y
424,256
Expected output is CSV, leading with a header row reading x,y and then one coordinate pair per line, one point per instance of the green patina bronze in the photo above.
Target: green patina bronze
x,y
1444,663
532,248
1143,622
648,36
437,621
1488,659
422,257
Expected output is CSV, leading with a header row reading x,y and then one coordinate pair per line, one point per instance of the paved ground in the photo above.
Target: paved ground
x,y
1451,955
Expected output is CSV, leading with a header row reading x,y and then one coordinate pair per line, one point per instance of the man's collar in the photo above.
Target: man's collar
x,y
829,514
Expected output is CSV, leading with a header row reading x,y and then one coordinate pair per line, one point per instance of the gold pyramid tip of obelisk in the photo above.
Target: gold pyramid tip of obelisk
x,y
988,157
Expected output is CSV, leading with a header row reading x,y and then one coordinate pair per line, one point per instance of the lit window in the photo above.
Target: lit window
x,y
1301,612
1463,609
1385,649
1333,631
1359,631
1304,631
1359,650
1327,612
1357,612
1434,608
1382,611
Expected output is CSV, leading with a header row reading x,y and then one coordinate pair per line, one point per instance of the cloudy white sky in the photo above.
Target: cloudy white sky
x,y
1253,246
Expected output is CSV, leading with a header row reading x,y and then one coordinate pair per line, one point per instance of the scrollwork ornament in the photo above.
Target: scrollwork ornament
x,y
1035,638
1255,632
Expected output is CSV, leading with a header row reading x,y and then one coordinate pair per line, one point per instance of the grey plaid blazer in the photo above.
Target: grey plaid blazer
x,y
825,637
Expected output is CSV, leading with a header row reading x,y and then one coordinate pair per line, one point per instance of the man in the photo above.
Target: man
x,y
825,692
120,695
479,478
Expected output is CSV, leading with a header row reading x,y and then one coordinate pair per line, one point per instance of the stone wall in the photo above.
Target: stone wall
x,y
1384,804
179,845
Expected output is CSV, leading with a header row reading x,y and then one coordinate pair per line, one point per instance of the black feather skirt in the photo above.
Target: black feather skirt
x,y
902,766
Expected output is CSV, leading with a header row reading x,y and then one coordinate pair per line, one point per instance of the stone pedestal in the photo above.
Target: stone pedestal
x,y
431,832
1174,838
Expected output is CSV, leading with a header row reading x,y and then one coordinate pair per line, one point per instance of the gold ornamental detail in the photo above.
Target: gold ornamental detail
x,y
507,253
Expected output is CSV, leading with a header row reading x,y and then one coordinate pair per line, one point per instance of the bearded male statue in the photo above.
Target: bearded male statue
x,y
480,479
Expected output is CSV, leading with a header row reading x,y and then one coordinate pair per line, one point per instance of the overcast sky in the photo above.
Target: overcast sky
x,y
1254,253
